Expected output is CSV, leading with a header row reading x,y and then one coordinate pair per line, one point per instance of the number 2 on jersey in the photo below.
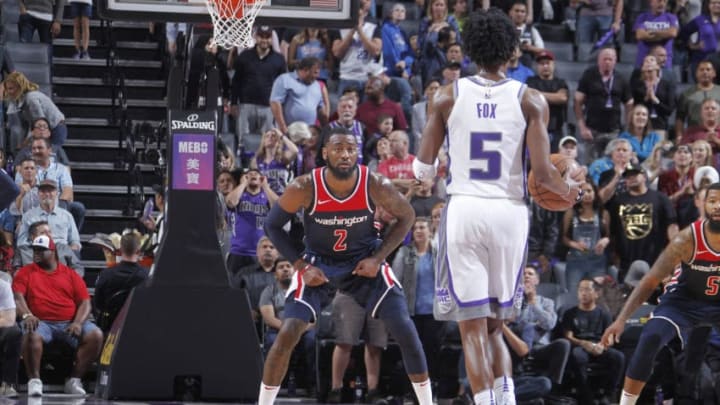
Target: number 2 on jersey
x,y
340,245
713,285
492,157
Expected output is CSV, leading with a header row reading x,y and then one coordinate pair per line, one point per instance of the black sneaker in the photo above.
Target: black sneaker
x,y
334,396
374,397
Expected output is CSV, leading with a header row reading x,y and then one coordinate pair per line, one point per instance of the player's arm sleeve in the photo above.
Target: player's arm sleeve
x,y
276,219
10,190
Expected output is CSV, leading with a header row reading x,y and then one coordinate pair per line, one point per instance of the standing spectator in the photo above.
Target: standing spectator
x,y
397,54
414,266
690,101
460,12
434,56
555,91
119,280
297,96
596,18
25,99
655,27
255,72
607,171
249,203
657,162
81,11
660,54
677,184
707,27
174,32
312,42
347,110
642,221
10,341
531,43
657,93
583,326
377,104
397,89
422,198
43,16
420,110
398,168
437,18
36,286
639,134
356,48
273,158
708,129
599,99
455,53
585,231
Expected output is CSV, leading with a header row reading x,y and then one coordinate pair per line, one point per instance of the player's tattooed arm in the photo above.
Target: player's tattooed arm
x,y
385,195
678,250
298,194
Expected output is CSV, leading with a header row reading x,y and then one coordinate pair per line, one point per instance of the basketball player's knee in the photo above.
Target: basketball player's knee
x,y
494,325
647,348
404,332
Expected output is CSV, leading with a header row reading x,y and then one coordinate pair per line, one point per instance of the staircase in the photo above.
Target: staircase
x,y
83,90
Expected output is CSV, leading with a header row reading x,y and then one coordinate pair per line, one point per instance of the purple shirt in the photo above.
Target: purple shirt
x,y
708,32
247,220
651,22
277,174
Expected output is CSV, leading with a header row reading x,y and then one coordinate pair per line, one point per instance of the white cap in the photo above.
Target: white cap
x,y
567,138
375,69
705,171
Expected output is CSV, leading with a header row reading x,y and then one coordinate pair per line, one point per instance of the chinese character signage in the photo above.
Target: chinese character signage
x,y
193,162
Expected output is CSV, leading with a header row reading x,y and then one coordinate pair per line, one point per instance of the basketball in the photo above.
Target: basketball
x,y
546,198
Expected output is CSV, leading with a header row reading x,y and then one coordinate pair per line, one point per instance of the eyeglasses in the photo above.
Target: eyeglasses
x,y
41,127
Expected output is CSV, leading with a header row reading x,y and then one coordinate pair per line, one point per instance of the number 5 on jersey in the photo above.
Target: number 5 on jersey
x,y
340,245
492,158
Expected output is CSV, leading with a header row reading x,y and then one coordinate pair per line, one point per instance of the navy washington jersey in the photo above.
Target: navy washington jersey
x,y
340,228
699,278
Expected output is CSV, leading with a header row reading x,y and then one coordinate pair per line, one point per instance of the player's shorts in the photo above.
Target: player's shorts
x,y
481,257
304,302
349,320
686,313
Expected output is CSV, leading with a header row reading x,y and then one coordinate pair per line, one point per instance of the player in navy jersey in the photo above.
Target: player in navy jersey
x,y
342,251
490,122
692,299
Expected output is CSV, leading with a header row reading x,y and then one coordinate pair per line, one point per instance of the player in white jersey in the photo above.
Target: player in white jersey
x,y
491,121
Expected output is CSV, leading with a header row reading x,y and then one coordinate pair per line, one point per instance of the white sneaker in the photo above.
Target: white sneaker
x,y
7,390
74,386
35,387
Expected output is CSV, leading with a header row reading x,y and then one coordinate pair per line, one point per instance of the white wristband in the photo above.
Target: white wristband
x,y
422,170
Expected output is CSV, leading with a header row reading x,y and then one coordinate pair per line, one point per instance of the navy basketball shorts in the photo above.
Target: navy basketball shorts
x,y
686,313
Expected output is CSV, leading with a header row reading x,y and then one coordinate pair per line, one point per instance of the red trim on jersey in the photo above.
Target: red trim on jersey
x,y
385,269
300,284
702,251
325,201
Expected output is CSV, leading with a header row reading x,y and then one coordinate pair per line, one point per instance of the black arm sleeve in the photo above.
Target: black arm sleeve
x,y
276,219
9,190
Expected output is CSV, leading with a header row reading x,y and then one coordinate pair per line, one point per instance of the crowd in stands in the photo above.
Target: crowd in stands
x,y
651,144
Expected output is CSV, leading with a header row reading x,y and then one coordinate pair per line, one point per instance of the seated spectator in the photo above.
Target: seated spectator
x,y
49,170
156,226
420,110
656,93
568,147
308,152
63,229
531,43
708,129
455,53
555,91
422,198
385,125
28,197
677,184
6,253
583,326
382,150
585,232
689,103
449,73
397,54
118,280
543,239
702,154
255,277
10,341
274,155
377,103
398,168
312,42
48,281
40,128
639,132
607,171
347,110
249,204
25,99
529,388
516,70
272,304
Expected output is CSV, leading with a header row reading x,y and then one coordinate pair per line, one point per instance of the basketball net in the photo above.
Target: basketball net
x,y
233,20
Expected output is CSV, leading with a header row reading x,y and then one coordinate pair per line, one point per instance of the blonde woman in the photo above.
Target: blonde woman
x,y
437,19
273,158
702,153
24,98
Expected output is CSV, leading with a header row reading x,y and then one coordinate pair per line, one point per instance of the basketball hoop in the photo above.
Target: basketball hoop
x,y
233,20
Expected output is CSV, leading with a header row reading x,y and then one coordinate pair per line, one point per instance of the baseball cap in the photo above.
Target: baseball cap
x,y
376,69
566,139
544,54
637,270
264,30
633,168
43,242
47,183
708,172
159,189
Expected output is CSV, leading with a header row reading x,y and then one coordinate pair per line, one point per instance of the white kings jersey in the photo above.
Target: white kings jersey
x,y
486,139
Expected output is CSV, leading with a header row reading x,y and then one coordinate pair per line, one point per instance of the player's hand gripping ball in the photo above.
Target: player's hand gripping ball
x,y
573,174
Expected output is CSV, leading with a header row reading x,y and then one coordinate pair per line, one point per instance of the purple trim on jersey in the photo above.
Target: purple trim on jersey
x,y
521,91
474,79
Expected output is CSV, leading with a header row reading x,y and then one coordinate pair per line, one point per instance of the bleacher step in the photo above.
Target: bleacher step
x,y
96,81
101,62
98,189
118,44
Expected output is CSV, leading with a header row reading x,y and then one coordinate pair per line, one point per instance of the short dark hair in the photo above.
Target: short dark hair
x,y
494,24
32,230
46,141
329,132
279,259
595,286
714,186
25,159
41,119
518,2
351,89
129,244
308,63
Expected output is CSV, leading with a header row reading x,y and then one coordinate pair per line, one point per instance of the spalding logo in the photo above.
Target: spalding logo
x,y
206,125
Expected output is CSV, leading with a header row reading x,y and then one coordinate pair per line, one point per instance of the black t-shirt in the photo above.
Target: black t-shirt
x,y
557,111
586,325
602,114
639,226
423,205
124,276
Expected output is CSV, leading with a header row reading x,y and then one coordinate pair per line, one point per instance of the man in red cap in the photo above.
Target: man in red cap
x,y
54,304
555,91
